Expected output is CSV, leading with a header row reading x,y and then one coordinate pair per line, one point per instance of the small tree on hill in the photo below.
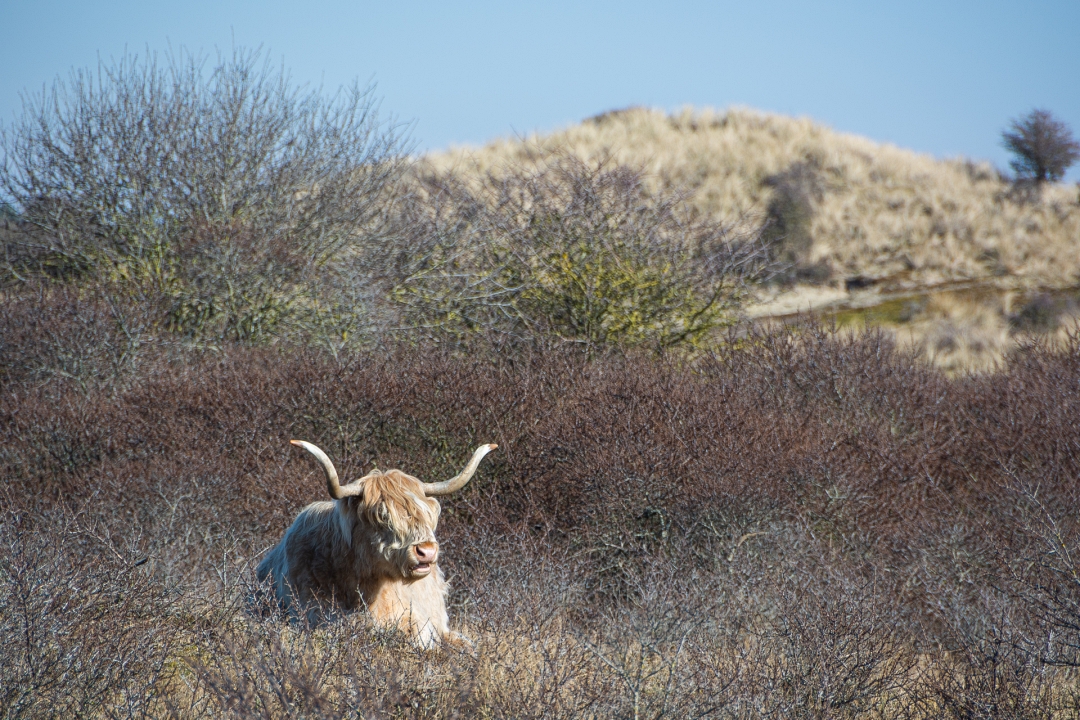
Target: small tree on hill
x,y
1044,147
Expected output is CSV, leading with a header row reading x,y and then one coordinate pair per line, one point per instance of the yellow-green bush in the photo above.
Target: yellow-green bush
x,y
578,251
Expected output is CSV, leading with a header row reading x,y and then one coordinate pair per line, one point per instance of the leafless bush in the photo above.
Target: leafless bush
x,y
81,623
224,192
1043,572
830,650
986,673
89,337
790,214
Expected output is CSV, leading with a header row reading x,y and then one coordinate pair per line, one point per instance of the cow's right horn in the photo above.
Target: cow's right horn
x,y
336,490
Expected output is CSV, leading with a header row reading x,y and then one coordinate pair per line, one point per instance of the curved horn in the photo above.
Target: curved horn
x,y
456,483
336,491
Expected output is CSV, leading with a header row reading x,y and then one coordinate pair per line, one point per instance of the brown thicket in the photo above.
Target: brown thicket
x,y
798,525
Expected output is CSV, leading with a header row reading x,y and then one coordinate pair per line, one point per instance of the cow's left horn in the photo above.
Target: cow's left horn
x,y
456,483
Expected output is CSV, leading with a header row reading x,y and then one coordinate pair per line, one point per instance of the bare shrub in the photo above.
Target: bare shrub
x,y
988,675
830,650
1042,571
87,337
1042,313
81,622
222,191
789,217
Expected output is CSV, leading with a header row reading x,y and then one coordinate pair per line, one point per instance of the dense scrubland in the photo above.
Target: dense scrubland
x,y
688,515
795,525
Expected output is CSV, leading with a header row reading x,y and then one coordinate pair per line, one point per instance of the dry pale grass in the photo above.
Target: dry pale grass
x,y
878,211
961,334
966,330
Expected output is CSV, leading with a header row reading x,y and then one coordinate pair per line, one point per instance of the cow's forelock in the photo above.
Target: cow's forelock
x,y
400,515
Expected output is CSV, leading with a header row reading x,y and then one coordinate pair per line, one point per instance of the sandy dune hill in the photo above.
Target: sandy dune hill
x,y
871,223
879,211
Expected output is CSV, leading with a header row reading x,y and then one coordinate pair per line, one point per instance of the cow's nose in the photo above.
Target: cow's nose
x,y
426,552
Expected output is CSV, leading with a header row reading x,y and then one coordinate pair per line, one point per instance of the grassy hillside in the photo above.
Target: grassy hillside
x,y
875,211
946,254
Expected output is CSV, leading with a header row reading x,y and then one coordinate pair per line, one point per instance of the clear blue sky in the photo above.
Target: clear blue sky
x,y
939,77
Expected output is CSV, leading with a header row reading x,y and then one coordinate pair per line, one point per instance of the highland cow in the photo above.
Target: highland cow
x,y
373,546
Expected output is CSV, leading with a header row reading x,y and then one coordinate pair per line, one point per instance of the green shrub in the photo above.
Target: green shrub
x,y
789,216
578,251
